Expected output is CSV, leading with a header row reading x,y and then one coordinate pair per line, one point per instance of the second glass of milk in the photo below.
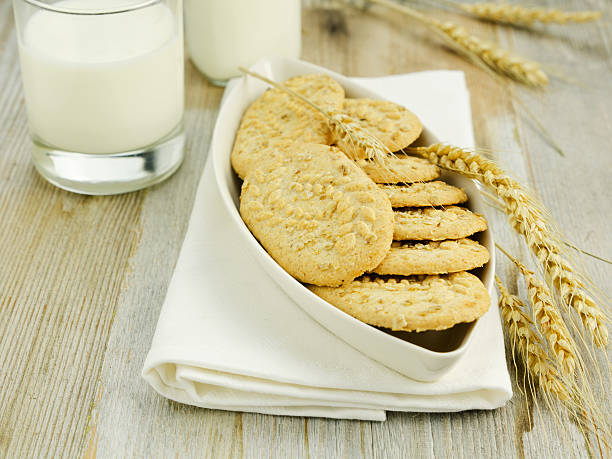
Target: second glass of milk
x,y
222,35
104,89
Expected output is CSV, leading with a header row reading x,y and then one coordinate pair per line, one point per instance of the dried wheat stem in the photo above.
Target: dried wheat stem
x,y
526,216
527,343
499,205
493,56
517,14
587,253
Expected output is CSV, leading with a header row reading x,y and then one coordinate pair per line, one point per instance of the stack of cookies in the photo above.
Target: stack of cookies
x,y
388,244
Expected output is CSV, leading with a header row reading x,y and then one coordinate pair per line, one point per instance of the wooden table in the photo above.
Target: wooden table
x,y
82,279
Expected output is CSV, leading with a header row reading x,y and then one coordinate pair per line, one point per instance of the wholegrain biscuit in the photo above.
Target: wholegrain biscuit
x,y
393,125
400,169
433,257
431,224
317,214
278,115
415,303
423,194
321,89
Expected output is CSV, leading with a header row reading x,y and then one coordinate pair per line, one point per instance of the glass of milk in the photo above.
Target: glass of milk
x,y
222,35
104,90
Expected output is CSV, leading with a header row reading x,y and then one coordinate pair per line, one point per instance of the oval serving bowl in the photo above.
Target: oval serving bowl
x,y
424,356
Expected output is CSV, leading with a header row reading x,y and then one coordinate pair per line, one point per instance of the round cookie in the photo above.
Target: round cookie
x,y
395,126
431,224
407,259
321,89
400,169
423,194
317,214
278,115
416,303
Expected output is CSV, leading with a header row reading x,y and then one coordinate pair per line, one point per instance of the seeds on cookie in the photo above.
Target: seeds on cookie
x,y
415,303
277,115
307,206
395,126
431,257
423,194
433,224
400,169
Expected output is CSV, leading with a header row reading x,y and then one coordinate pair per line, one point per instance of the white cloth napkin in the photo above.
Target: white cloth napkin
x,y
229,338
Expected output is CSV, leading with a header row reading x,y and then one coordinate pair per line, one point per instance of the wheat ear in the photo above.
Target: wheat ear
x,y
548,317
496,58
564,278
347,128
529,220
527,343
341,125
520,15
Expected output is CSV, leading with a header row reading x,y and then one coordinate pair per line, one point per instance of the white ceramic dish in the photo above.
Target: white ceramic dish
x,y
423,356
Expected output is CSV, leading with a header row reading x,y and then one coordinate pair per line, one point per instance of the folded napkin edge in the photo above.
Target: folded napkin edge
x,y
164,358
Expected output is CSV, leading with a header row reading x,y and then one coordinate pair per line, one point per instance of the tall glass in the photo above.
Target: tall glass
x,y
104,90
222,35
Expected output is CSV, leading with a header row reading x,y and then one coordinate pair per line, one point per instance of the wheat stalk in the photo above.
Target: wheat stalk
x,y
529,220
549,319
341,125
346,128
576,395
527,343
496,203
564,278
520,15
502,61
490,54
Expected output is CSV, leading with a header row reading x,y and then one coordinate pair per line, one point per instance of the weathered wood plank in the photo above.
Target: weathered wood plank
x,y
129,413
63,260
576,110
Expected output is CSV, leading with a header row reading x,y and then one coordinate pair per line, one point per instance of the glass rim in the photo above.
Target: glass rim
x,y
100,11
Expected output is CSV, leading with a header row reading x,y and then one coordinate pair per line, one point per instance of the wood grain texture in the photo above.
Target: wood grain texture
x,y
82,279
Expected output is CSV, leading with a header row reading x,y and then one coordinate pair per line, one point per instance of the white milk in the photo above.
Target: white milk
x,y
102,84
224,34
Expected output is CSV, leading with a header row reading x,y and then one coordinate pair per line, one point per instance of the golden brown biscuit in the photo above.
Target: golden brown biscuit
x,y
400,169
431,257
431,224
411,304
395,126
424,194
317,214
277,115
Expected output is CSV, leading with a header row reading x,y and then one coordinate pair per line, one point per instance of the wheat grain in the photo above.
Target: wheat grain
x,y
549,320
490,54
564,279
517,14
575,393
548,317
529,220
527,343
